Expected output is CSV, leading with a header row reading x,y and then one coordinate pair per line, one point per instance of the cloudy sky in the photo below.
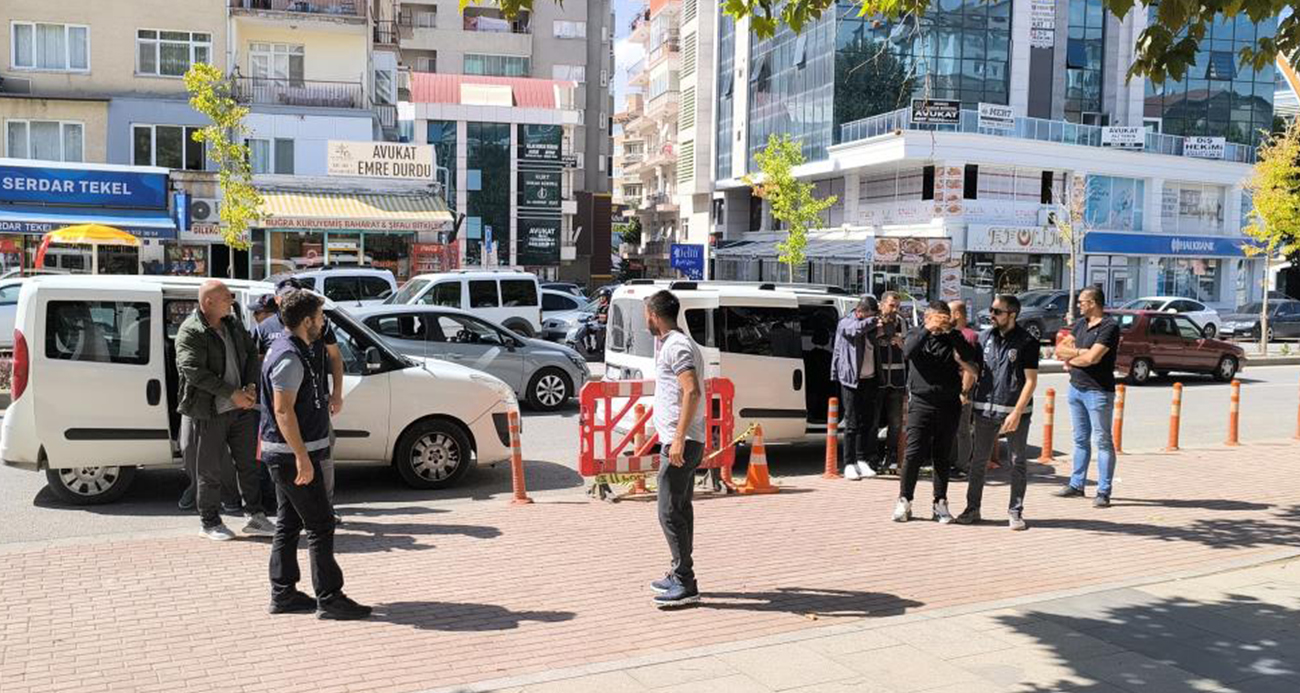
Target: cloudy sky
x,y
626,53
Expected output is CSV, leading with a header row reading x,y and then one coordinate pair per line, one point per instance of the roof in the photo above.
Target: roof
x,y
428,87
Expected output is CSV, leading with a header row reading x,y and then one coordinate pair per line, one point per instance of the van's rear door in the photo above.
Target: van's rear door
x,y
98,377
762,353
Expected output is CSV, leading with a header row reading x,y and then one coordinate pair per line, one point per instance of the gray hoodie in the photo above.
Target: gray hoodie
x,y
850,348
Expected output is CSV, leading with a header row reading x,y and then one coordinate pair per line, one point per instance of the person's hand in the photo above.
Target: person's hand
x,y
305,471
243,399
965,399
676,453
1011,424
936,323
897,340
336,404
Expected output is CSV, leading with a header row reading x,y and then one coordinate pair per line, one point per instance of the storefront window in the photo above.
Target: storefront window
x,y
1115,203
116,259
391,251
1191,208
11,253
187,260
913,281
986,274
1196,278
296,250
258,254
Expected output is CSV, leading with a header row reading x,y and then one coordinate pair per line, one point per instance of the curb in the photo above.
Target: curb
x,y
1054,366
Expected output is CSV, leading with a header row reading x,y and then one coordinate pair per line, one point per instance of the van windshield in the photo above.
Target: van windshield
x,y
408,291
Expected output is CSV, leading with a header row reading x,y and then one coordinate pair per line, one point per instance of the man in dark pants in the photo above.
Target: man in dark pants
x,y
217,363
1003,404
891,379
941,377
679,421
965,432
295,437
853,366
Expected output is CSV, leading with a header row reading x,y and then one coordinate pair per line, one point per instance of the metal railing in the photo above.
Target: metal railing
x,y
1039,129
387,115
341,8
300,92
495,25
386,32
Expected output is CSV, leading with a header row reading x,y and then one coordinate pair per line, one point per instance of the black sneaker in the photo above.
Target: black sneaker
x,y
187,499
296,603
679,595
341,608
1101,501
664,584
1069,491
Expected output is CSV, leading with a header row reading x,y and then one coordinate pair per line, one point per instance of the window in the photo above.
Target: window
x,y
48,140
63,47
466,330
9,294
570,30
412,289
497,65
446,294
572,73
1045,188
282,61
927,183
1192,208
971,182
373,288
550,302
170,146
483,294
271,156
342,289
1186,328
517,293
1195,278
663,84
411,326
170,53
99,331
1222,65
1115,203
427,19
760,331
699,322
384,87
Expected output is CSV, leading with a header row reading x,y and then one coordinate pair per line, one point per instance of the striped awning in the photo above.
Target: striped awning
x,y
364,212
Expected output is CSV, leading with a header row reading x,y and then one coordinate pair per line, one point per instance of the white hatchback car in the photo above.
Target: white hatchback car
x,y
1204,316
95,388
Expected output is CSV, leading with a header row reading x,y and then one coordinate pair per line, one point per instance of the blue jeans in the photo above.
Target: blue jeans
x,y
1090,411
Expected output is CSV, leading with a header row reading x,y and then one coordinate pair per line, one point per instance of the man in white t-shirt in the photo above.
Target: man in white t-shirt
x,y
679,421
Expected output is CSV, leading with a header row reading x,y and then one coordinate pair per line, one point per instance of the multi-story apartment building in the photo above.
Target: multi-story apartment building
x,y
960,205
470,78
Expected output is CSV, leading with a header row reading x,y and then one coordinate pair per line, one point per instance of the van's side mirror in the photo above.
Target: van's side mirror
x,y
374,360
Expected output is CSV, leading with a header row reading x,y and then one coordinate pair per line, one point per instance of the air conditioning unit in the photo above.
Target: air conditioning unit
x,y
204,211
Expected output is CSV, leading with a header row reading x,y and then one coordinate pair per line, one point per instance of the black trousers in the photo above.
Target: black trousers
x,y
889,415
210,443
676,514
931,435
858,406
303,507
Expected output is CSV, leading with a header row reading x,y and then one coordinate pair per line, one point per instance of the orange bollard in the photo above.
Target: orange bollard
x,y
638,442
1175,415
1234,413
833,441
1049,418
517,464
756,477
1117,429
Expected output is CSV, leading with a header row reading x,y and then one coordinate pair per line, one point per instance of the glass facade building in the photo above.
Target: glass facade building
x,y
791,87
1219,96
726,93
1084,62
487,187
442,135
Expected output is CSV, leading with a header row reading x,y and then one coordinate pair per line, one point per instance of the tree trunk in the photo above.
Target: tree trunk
x,y
1074,264
1263,306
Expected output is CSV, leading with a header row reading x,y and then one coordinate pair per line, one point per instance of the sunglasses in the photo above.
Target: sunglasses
x,y
999,311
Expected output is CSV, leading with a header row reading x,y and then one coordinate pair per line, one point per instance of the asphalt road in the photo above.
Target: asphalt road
x,y
30,513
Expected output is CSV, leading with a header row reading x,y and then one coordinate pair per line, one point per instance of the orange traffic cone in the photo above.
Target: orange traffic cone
x,y
756,478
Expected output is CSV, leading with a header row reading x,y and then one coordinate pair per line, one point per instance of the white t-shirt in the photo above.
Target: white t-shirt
x,y
675,354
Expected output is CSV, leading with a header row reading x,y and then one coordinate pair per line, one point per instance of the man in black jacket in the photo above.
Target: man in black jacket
x,y
940,378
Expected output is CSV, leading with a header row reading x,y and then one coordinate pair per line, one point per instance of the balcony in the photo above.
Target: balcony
x,y
335,8
496,23
387,115
300,92
1026,128
386,32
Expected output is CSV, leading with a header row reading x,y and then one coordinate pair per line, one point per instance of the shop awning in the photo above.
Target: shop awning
x,y
39,220
346,211
820,248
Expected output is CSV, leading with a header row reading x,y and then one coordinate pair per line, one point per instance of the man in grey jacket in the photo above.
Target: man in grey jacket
x,y
853,366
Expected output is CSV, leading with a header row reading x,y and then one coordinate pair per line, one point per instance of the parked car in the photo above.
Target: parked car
x,y
9,289
1204,316
556,326
1157,343
351,287
560,302
1244,323
566,287
429,419
546,375
510,297
1042,313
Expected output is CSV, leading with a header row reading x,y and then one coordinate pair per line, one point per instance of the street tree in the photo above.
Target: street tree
x,y
792,200
212,94
1274,188
1068,215
1165,49
630,233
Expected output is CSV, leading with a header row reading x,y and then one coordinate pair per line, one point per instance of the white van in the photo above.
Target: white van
x,y
510,297
773,341
95,389
350,287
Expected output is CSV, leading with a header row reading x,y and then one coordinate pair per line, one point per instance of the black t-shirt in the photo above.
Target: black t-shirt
x,y
1100,375
934,375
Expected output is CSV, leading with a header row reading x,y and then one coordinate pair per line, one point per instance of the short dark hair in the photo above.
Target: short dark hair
x,y
892,294
1098,296
1010,301
265,304
298,305
939,307
869,304
664,305
289,284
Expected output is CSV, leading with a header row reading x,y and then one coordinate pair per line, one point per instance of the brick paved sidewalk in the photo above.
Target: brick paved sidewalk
x,y
478,591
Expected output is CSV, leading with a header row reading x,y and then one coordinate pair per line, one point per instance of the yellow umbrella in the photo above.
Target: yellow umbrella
x,y
86,234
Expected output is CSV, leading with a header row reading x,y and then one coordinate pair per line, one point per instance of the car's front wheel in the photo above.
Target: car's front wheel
x,y
432,454
89,485
1140,372
1226,369
1210,331
549,389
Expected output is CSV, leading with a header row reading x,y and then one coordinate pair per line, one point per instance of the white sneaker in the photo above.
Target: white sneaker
x,y
865,470
941,514
259,526
903,511
851,472
218,533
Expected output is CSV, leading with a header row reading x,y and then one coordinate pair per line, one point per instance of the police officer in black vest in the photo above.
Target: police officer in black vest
x,y
295,438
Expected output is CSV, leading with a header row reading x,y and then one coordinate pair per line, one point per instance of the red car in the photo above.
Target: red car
x,y
1155,343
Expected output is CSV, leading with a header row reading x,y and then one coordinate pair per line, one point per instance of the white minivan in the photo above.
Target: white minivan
x,y
95,389
509,297
773,341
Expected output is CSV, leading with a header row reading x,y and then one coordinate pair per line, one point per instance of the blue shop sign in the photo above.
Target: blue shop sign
x,y
1156,244
688,259
75,186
